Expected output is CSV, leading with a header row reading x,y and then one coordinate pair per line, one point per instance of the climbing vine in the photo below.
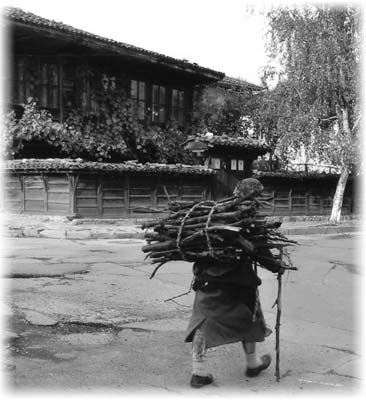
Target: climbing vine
x,y
107,131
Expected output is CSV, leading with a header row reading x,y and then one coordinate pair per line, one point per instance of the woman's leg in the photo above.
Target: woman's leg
x,y
199,366
200,376
253,360
255,364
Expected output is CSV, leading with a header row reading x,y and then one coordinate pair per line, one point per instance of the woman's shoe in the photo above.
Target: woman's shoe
x,y
252,372
199,381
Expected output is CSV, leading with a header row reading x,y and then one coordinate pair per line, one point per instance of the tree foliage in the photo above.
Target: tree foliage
x,y
316,103
220,110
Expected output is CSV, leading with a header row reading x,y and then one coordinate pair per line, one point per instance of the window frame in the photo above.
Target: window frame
x,y
178,110
139,102
160,109
159,104
25,84
49,85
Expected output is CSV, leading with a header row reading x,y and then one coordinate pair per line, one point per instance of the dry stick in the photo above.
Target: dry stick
x,y
156,269
166,194
183,294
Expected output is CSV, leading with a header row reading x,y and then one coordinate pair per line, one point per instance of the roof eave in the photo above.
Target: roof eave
x,y
114,49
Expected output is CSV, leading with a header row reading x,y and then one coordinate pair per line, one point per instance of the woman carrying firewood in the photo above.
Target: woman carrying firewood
x,y
227,309
225,240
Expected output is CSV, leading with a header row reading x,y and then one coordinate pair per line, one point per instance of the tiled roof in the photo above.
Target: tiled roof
x,y
295,175
228,142
229,82
18,15
61,164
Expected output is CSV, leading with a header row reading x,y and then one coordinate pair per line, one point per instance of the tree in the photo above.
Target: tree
x,y
220,110
317,49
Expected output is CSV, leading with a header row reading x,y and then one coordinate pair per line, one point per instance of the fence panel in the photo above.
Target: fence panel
x,y
142,193
13,193
298,201
171,186
113,197
58,194
86,196
282,200
34,194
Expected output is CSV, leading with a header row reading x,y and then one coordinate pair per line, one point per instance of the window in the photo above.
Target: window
x,y
158,104
233,165
215,163
19,81
39,79
49,86
240,165
68,87
178,106
25,75
138,95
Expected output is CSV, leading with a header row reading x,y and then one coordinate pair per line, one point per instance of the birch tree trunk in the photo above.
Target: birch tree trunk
x,y
338,196
343,117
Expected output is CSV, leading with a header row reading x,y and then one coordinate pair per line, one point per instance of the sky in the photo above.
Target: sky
x,y
217,34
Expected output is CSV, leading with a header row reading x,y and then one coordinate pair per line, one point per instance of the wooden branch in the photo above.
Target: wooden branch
x,y
156,269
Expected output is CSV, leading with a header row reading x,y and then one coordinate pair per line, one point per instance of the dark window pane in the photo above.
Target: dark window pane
x,y
53,97
134,89
162,114
44,99
181,116
162,95
44,75
141,90
141,110
174,98
53,74
20,97
20,76
155,93
155,114
30,90
181,99
175,114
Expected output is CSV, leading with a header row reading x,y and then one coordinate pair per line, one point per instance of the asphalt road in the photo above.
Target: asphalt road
x,y
84,316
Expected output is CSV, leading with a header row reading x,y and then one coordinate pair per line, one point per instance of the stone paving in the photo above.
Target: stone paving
x,y
21,225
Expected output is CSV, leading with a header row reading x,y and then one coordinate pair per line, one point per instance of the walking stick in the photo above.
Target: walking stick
x,y
278,317
278,324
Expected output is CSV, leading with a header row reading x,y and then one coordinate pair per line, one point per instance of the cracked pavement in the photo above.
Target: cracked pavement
x,y
83,315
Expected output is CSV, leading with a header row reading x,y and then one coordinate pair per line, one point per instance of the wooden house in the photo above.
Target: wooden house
x,y
57,64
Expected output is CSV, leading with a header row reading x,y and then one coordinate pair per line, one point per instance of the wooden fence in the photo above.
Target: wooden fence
x,y
309,197
98,195
111,195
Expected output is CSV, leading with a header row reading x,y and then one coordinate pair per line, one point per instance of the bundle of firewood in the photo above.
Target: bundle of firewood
x,y
228,230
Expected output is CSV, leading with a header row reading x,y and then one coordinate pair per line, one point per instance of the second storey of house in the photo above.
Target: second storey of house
x,y
62,68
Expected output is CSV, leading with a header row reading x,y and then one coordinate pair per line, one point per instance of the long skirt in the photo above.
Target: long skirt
x,y
226,315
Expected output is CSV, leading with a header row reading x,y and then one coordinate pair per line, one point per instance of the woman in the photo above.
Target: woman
x,y
226,310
